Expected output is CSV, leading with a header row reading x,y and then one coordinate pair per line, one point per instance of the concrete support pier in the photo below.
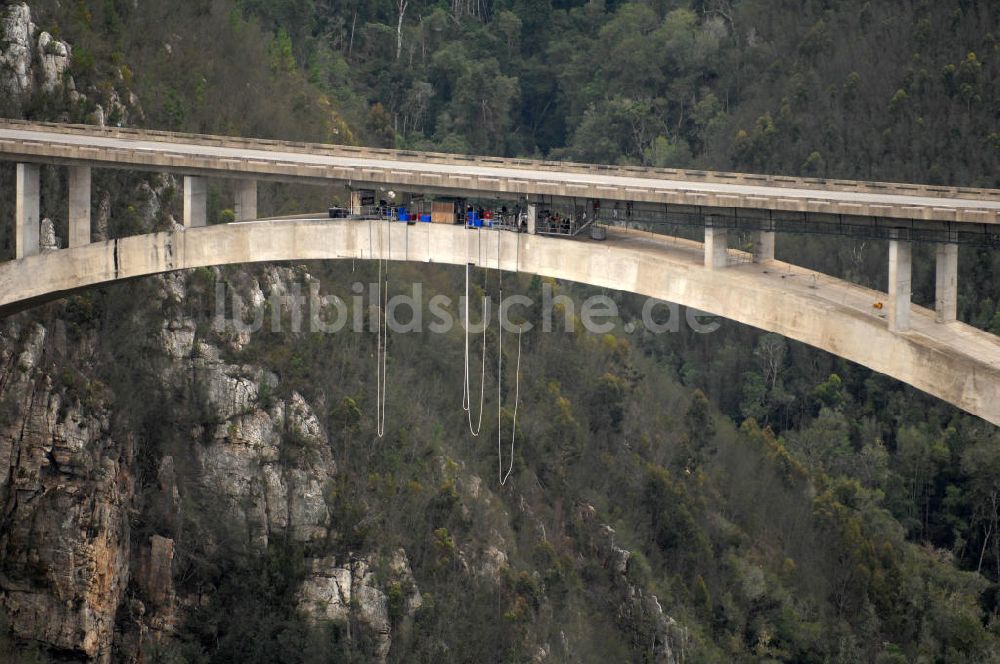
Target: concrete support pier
x,y
716,245
79,205
27,210
246,200
532,218
195,202
946,300
763,246
900,284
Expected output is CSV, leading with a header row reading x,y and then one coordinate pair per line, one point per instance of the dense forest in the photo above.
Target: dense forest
x,y
675,498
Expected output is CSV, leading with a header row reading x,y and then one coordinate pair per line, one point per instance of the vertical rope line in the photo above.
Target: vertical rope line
x,y
467,389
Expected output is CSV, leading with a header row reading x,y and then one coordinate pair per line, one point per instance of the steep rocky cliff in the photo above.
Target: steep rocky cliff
x,y
75,574
67,495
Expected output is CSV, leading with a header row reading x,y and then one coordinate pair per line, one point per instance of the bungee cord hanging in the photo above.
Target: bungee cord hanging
x,y
467,388
384,242
382,332
504,476
517,389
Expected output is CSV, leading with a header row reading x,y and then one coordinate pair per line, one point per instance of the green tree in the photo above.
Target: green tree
x,y
981,462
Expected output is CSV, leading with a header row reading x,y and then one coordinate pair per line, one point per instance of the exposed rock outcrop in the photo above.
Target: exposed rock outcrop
x,y
638,611
47,239
54,56
17,57
334,587
70,576
29,63
65,545
103,217
37,62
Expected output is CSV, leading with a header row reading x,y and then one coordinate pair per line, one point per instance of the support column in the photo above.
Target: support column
x,y
532,218
79,206
763,246
946,301
195,202
716,245
27,210
246,200
900,284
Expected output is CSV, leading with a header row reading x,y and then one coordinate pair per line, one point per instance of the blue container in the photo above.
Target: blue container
x,y
426,218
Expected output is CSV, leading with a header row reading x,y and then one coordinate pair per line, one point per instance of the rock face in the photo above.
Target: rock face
x,y
36,62
333,588
65,551
54,57
269,467
638,612
74,576
16,58
48,241
28,63
102,217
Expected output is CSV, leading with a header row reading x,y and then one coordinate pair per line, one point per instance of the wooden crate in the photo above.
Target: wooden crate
x,y
443,212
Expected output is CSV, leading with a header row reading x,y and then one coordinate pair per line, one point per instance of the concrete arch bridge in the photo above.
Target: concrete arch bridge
x,y
925,348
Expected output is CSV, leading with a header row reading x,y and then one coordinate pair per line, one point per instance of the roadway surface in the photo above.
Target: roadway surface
x,y
979,206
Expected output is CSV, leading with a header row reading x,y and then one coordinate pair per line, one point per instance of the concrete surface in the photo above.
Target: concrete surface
x,y
900,284
195,202
79,205
27,224
763,246
457,174
716,248
246,200
946,282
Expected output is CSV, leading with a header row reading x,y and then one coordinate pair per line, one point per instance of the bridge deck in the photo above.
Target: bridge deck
x,y
244,158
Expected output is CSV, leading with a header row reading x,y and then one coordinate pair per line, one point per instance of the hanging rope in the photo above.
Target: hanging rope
x,y
382,336
503,476
467,390
513,431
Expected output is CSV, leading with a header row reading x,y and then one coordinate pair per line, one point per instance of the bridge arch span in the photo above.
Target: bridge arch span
x,y
954,362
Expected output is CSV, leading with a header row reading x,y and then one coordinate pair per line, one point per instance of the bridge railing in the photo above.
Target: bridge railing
x,y
671,218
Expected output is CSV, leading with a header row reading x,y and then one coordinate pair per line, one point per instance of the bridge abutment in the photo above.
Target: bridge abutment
x,y
27,210
946,287
79,205
195,202
246,200
900,283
